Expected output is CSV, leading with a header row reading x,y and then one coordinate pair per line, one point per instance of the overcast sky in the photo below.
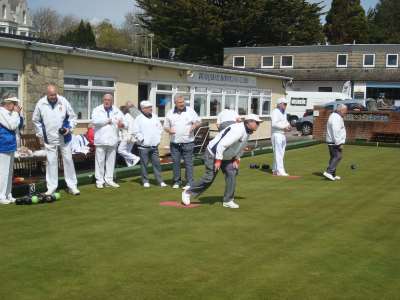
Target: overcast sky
x,y
97,10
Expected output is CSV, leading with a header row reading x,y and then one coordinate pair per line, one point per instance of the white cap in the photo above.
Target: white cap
x,y
11,99
281,100
145,104
253,117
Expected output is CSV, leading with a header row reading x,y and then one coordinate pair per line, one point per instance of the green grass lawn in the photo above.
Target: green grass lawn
x,y
290,239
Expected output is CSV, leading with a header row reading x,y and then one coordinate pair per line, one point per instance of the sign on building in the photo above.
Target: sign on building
x,y
221,79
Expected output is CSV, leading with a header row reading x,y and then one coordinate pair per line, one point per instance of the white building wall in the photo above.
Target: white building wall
x,y
313,86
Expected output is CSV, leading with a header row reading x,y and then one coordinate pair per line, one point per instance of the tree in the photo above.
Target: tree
x,y
82,36
385,23
200,29
346,22
135,33
46,23
111,38
289,22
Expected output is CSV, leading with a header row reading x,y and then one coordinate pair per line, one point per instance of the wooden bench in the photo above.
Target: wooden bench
x,y
26,165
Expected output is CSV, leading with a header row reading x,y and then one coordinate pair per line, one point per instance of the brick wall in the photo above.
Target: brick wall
x,y
359,129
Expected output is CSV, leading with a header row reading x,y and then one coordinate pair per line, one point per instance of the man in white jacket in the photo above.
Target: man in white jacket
x,y
10,121
54,121
147,130
335,138
224,153
279,127
107,120
127,139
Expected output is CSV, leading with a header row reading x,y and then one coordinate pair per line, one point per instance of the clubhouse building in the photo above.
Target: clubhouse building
x,y
83,76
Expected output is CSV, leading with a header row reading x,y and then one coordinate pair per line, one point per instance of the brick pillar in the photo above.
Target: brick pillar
x,y
40,69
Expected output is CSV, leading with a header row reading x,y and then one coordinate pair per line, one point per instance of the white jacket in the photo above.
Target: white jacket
x,y
147,131
230,142
227,115
9,120
124,132
279,121
106,134
335,130
48,120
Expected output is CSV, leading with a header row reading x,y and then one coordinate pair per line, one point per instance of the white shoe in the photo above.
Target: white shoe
x,y
186,197
49,193
74,191
338,177
11,199
186,187
100,186
146,185
230,204
282,174
112,184
329,176
163,184
5,201
175,186
135,161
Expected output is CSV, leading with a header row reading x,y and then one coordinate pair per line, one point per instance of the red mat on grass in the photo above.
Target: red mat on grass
x,y
178,204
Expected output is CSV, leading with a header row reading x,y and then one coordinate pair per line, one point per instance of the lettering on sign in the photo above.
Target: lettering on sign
x,y
222,78
366,117
298,101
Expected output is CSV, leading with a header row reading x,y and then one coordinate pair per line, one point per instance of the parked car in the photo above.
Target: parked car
x,y
300,102
305,124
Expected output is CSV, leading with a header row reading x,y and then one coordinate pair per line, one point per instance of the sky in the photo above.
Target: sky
x,y
97,10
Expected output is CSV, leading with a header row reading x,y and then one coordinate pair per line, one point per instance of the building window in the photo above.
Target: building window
x,y
85,93
267,62
239,62
327,89
392,60
215,104
266,105
369,60
230,100
200,104
4,11
2,29
24,17
243,102
341,61
9,82
287,61
163,99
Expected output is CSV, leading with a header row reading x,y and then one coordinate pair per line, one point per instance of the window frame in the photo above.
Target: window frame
x,y
244,61
89,89
337,60
387,60
369,66
268,67
12,84
287,67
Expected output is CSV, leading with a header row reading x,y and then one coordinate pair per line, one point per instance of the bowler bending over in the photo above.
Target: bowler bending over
x,y
224,152
335,138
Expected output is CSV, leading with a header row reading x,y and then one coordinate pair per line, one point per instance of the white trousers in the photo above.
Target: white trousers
x,y
105,164
6,175
278,145
125,150
52,166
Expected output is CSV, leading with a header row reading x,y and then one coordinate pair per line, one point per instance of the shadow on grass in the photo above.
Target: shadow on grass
x,y
211,200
